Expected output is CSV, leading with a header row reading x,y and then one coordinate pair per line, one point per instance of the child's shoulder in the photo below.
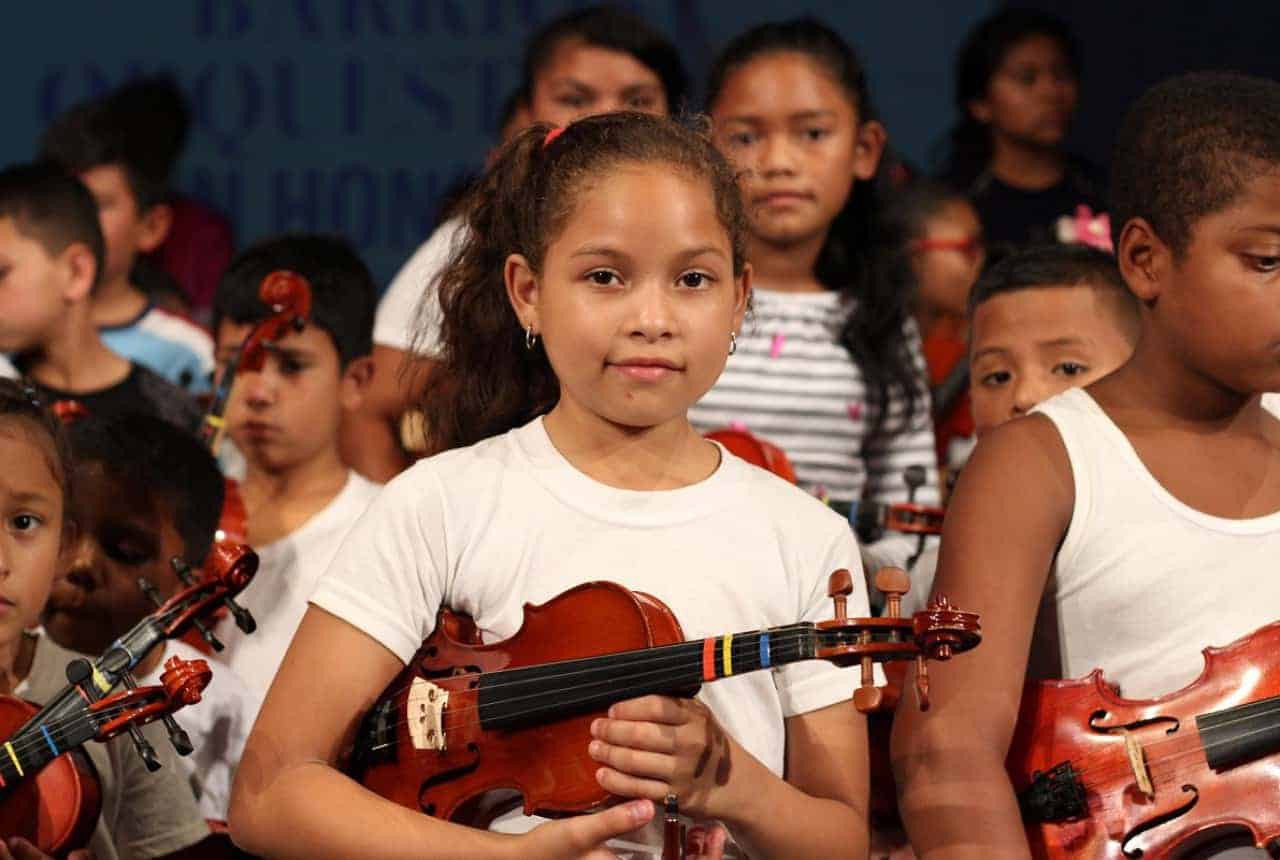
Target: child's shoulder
x,y
783,502
174,328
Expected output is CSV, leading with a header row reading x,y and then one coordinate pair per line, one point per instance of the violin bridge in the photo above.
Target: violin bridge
x,y
425,712
1139,765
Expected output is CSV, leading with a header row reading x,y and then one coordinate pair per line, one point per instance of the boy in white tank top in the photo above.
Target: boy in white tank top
x,y
1143,510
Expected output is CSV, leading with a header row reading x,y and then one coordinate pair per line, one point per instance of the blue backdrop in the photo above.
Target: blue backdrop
x,y
353,116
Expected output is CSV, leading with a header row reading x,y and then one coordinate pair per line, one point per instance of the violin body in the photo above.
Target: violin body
x,y
546,762
756,451
57,808
1154,776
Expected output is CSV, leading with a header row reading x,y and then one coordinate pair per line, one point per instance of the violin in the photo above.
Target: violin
x,y
288,294
1101,776
465,719
48,790
870,519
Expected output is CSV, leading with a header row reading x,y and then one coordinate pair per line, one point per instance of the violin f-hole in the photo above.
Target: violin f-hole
x,y
1096,724
1158,820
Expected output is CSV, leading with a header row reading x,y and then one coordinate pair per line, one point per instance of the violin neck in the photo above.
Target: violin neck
x,y
512,698
40,741
1241,734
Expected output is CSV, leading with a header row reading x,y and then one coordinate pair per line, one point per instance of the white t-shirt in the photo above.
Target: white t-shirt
x,y
409,304
509,521
218,727
287,571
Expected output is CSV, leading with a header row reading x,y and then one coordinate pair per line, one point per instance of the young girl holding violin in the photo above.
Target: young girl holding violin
x,y
595,300
830,369
143,814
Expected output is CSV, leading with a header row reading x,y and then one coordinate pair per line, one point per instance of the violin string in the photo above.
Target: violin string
x,y
658,656
22,744
685,663
688,674
1186,746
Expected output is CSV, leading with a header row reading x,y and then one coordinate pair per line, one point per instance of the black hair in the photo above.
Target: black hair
x,y
616,30
1059,266
912,206
343,295
52,207
485,380
155,114
1188,146
100,133
862,254
980,57
20,402
156,460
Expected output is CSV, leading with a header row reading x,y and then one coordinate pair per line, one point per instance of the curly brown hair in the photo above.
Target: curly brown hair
x,y
485,381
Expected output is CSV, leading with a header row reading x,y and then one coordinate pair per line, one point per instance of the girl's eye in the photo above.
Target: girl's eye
x,y
694,279
1070,368
996,378
602,277
1266,264
742,138
25,522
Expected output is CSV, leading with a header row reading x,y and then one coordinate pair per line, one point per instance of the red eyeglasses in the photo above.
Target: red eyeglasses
x,y
972,247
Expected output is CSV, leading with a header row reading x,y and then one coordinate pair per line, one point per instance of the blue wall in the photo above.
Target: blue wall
x,y
355,115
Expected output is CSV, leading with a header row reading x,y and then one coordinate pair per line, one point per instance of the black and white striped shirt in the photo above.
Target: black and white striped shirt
x,y
791,382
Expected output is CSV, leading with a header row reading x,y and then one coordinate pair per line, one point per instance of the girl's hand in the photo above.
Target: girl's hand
x,y
655,745
582,837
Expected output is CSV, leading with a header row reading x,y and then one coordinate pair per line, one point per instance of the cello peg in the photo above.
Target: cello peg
x,y
839,587
894,582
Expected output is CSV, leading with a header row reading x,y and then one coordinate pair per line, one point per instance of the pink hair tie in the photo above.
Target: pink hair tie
x,y
552,135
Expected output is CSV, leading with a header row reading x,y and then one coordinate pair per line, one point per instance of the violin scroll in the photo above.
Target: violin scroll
x,y
182,684
938,632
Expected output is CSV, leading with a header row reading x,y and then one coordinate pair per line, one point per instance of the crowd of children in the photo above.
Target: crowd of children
x,y
1087,364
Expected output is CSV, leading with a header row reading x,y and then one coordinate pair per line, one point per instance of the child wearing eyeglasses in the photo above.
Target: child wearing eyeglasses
x,y
944,243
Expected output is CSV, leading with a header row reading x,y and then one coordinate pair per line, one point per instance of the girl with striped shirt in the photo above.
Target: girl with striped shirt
x,y
830,369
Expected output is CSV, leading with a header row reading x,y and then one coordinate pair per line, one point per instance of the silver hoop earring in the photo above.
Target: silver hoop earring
x,y
733,342
530,337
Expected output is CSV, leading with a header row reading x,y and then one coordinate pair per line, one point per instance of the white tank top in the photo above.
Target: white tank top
x,y
1143,582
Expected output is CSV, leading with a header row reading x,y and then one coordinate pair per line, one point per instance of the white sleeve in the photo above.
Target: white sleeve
x,y
389,576
410,301
814,684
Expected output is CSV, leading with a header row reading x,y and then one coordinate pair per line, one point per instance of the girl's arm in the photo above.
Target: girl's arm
x,y
289,800
655,745
1010,510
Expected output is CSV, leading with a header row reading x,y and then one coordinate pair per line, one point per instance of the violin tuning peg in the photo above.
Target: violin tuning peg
x,y
922,681
207,635
914,476
150,591
144,748
839,587
894,582
183,570
868,697
244,619
180,739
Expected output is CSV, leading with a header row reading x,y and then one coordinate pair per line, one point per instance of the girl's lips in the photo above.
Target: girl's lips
x,y
645,372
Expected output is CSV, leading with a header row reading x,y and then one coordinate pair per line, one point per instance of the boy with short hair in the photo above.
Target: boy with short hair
x,y
96,142
1138,517
51,252
300,496
1043,320
146,492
